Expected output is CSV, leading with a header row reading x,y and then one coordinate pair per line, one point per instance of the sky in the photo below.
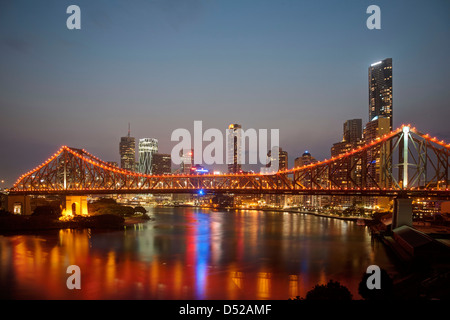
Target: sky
x,y
297,66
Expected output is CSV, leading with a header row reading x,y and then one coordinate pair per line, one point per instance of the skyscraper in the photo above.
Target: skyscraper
x,y
306,180
352,138
147,147
377,159
234,148
380,90
187,161
282,159
161,163
127,151
304,160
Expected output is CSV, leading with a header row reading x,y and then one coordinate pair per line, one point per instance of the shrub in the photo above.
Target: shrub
x,y
48,211
385,291
333,290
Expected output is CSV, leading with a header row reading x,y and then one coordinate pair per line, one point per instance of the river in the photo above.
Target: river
x,y
191,253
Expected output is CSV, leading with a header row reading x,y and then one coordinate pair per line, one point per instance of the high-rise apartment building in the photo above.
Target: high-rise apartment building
x,y
127,151
304,160
376,128
353,130
234,148
352,138
147,148
380,90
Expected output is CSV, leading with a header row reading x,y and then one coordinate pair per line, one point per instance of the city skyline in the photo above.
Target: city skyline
x,y
264,70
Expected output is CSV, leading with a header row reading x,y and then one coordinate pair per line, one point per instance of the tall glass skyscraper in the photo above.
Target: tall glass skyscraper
x,y
234,148
127,151
380,90
147,147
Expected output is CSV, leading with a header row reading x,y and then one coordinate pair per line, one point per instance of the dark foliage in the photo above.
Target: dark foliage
x,y
49,211
384,293
333,290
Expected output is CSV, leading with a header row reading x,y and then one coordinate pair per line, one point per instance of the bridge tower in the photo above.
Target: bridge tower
x,y
77,205
402,214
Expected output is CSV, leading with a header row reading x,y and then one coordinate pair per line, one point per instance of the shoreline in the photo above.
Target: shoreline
x,y
324,215
25,224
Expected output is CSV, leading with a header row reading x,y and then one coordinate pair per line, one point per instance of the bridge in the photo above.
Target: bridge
x,y
402,164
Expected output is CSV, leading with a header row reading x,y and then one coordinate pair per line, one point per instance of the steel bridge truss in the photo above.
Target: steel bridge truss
x,y
404,161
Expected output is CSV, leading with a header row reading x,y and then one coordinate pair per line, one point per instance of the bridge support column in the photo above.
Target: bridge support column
x,y
402,213
76,205
19,204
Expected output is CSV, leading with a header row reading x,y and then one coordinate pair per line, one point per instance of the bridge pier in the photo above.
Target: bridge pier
x,y
19,204
402,215
76,205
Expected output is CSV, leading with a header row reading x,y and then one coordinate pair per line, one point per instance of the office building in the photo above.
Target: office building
x,y
351,139
161,164
282,159
187,161
147,148
127,151
352,131
377,160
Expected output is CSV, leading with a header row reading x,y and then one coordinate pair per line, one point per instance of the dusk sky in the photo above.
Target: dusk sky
x,y
298,66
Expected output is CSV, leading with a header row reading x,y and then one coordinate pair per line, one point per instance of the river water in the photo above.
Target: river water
x,y
190,253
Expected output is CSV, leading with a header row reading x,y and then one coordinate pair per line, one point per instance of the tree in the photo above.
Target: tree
x,y
333,290
49,211
140,209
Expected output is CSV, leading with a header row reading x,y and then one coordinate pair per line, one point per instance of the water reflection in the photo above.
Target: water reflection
x,y
192,254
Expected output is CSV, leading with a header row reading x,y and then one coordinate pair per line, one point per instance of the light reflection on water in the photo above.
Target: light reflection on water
x,y
189,253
